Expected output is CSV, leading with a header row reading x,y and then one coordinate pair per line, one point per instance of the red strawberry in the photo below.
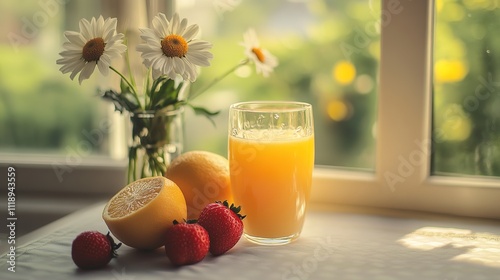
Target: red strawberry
x,y
223,224
92,249
186,243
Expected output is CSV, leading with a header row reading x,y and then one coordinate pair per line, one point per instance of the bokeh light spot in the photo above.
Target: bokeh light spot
x,y
449,71
337,110
344,72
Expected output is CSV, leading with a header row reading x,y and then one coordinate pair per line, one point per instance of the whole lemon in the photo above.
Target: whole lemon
x,y
203,177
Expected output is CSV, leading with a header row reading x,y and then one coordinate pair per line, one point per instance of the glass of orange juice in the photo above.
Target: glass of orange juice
x,y
271,158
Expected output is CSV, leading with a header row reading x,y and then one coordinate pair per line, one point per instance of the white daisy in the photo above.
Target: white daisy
x,y
264,61
96,44
171,49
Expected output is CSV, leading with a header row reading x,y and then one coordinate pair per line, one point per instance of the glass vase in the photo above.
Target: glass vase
x,y
156,139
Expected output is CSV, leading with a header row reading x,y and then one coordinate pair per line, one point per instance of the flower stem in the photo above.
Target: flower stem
x,y
128,83
132,164
218,79
127,61
147,93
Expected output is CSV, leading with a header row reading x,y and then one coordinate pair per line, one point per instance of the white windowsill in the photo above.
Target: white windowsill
x,y
360,243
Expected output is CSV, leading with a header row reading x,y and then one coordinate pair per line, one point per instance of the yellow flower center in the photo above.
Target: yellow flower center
x,y
260,56
93,49
174,46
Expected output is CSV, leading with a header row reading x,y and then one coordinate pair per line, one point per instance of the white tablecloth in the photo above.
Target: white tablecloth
x,y
335,244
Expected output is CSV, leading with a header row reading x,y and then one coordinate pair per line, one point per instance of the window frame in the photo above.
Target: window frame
x,y
401,179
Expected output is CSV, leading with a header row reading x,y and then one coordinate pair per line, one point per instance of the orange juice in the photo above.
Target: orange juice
x,y
271,180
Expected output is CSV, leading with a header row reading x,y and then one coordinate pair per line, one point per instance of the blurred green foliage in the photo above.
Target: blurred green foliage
x,y
307,37
467,88
329,56
40,110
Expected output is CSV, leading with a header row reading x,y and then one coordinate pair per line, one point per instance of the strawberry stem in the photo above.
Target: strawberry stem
x,y
175,222
113,245
233,208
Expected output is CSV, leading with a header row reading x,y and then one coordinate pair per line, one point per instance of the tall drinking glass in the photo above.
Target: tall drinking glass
x,y
271,158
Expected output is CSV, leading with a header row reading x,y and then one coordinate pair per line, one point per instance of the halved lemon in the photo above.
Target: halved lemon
x,y
140,214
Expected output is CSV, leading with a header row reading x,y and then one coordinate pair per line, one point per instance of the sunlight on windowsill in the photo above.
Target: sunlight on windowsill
x,y
480,247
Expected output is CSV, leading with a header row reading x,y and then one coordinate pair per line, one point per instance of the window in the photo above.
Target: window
x,y
392,151
466,88
403,167
321,62
40,111
404,151
54,129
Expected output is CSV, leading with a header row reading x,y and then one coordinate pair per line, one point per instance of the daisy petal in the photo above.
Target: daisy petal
x,y
77,69
179,67
99,27
109,29
198,59
106,58
103,67
164,24
86,71
199,44
191,31
75,38
93,30
174,24
85,29
70,66
182,27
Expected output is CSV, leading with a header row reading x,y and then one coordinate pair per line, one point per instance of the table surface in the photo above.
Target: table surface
x,y
336,243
